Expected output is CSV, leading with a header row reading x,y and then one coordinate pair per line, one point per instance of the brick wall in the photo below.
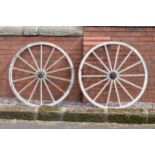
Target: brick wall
x,y
142,38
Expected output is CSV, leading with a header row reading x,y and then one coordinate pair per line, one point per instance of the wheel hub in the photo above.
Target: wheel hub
x,y
113,75
40,74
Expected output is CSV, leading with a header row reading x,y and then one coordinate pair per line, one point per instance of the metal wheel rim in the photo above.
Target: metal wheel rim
x,y
105,44
36,44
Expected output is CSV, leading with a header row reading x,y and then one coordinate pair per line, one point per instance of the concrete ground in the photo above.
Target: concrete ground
x,y
23,124
71,112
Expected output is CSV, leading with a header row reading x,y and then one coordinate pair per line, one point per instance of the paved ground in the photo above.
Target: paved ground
x,y
20,124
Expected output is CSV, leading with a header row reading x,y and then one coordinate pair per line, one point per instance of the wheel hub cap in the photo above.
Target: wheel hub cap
x,y
41,75
113,75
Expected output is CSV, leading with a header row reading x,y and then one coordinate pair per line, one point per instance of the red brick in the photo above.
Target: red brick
x,y
139,33
143,38
96,38
88,43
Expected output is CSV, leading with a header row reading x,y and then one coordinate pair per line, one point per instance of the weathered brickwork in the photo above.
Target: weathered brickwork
x,y
142,38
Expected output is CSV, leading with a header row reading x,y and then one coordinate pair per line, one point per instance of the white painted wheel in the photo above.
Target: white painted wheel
x,y
113,75
41,73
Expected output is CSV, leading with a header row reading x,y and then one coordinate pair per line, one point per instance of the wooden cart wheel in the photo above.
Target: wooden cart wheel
x,y
41,73
113,75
